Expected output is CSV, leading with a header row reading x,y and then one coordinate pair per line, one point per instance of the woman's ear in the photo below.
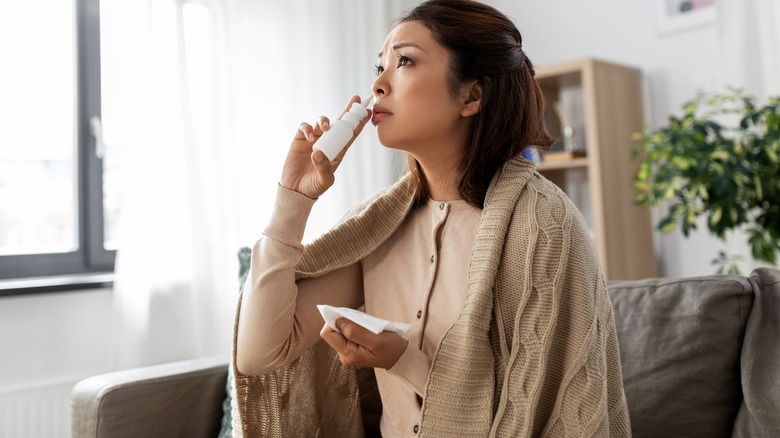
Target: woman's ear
x,y
473,98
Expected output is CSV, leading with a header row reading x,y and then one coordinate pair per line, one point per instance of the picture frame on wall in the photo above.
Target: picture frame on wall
x,y
673,16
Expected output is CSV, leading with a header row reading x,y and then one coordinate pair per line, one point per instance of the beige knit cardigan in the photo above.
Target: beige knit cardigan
x,y
534,351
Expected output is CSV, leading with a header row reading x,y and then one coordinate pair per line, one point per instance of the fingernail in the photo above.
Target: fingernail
x,y
319,156
325,124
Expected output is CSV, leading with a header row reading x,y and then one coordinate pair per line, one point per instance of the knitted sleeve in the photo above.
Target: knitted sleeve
x,y
412,367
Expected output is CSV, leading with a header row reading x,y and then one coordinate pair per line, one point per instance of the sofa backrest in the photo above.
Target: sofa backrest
x,y
680,343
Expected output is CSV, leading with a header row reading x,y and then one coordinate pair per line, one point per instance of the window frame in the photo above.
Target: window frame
x,y
90,262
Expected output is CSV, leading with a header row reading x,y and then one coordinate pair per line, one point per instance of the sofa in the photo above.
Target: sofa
x,y
700,357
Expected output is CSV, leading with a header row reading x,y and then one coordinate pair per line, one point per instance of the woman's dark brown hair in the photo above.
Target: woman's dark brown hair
x,y
485,46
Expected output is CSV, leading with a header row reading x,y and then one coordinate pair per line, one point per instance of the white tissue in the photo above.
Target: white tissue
x,y
377,325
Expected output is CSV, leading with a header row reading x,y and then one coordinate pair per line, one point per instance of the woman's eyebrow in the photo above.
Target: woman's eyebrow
x,y
397,46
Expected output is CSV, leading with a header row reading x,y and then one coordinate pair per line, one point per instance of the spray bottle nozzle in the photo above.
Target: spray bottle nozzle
x,y
341,131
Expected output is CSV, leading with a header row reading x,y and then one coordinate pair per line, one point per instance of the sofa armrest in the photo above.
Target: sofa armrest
x,y
174,399
759,414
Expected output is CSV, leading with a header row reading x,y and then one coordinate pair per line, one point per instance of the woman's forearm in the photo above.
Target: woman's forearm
x,y
278,317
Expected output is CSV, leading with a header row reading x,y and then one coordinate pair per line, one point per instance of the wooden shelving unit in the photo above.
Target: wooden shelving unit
x,y
568,164
605,112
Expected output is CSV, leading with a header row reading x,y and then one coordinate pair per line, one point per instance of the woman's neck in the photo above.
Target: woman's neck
x,y
441,177
440,161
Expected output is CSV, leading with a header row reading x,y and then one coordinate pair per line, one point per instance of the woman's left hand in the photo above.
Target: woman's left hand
x,y
359,347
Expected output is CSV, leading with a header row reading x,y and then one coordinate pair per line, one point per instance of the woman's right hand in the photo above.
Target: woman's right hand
x,y
308,171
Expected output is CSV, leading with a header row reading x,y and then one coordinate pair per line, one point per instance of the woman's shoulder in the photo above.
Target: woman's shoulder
x,y
546,204
519,178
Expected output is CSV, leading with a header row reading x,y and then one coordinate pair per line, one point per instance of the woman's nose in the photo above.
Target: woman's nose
x,y
379,87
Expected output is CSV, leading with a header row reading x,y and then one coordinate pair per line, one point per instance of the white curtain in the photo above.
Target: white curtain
x,y
749,36
201,99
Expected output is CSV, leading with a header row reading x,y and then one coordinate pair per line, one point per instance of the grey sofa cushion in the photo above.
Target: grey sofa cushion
x,y
178,399
759,414
680,343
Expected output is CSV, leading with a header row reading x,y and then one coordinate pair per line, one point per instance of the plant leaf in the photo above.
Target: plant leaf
x,y
716,216
667,224
720,158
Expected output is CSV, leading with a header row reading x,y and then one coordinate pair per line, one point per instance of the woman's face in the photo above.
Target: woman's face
x,y
415,110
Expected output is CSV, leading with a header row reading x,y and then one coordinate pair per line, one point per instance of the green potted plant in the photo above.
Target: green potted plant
x,y
720,160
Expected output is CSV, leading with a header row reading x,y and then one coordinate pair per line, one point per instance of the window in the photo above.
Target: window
x,y
51,181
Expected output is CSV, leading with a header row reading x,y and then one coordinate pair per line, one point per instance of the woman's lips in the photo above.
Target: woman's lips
x,y
380,113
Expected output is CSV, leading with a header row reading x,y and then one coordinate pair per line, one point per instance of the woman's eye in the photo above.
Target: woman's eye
x,y
402,61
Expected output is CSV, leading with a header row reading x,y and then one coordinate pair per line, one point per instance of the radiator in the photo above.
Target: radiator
x,y
38,409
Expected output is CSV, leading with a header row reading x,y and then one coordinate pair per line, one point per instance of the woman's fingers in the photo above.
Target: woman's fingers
x,y
322,125
306,130
333,338
350,353
357,334
313,132
357,346
324,168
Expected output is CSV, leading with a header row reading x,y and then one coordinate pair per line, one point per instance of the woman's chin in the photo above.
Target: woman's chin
x,y
390,144
389,138
385,140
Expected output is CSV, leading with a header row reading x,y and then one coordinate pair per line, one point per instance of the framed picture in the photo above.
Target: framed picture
x,y
672,16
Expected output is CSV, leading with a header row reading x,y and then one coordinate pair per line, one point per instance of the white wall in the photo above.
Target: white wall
x,y
54,335
48,343
675,66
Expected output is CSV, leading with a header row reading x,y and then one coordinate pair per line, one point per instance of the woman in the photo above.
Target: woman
x,y
512,331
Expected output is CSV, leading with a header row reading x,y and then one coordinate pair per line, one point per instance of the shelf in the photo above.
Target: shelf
x,y
595,107
563,164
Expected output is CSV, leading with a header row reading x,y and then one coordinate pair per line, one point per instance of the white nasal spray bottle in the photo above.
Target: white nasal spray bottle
x,y
342,130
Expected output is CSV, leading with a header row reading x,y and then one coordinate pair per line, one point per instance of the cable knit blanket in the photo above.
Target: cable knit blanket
x,y
534,351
